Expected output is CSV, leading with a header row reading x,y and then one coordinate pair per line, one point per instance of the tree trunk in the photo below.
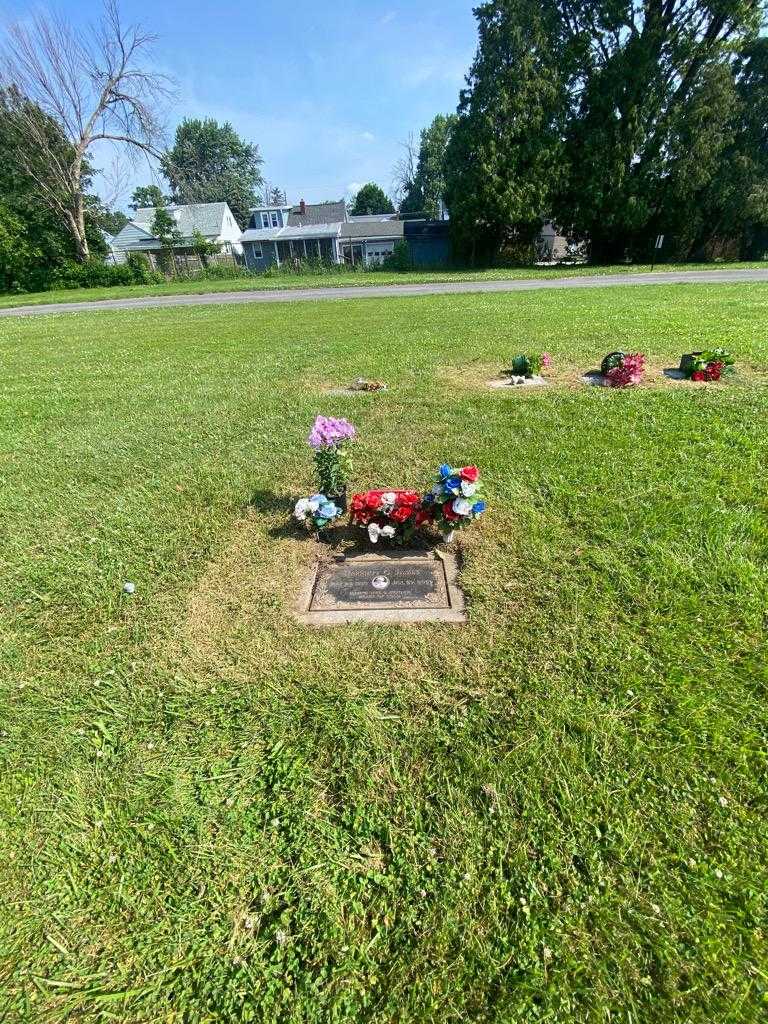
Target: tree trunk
x,y
81,242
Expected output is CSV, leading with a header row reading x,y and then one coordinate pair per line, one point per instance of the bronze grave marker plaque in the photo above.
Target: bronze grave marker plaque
x,y
384,588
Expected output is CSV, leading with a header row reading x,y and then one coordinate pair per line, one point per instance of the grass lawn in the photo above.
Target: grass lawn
x,y
341,280
209,812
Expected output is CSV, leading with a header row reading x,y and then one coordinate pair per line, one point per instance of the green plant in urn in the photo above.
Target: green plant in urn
x,y
612,360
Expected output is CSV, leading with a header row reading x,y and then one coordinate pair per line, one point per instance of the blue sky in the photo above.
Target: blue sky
x,y
328,91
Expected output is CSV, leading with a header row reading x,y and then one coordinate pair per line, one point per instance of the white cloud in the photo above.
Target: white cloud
x,y
367,136
387,18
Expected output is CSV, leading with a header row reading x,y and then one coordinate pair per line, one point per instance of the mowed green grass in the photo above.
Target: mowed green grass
x,y
342,279
209,812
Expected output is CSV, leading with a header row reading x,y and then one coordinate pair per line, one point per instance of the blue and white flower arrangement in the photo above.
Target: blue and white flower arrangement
x,y
316,512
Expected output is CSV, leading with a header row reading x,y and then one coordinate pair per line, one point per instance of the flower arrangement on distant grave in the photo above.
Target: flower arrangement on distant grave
x,y
317,512
454,502
361,384
526,366
709,365
392,515
328,437
622,369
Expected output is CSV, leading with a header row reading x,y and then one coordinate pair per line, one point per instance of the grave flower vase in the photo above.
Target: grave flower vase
x,y
688,362
340,499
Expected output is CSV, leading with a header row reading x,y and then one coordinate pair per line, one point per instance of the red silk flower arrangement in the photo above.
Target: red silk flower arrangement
x,y
393,515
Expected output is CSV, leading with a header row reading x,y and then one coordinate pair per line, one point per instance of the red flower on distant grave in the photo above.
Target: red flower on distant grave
x,y
698,375
470,473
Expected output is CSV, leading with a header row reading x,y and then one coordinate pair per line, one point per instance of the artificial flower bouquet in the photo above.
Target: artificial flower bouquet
x,y
708,365
391,515
362,384
530,364
622,369
328,437
454,501
317,512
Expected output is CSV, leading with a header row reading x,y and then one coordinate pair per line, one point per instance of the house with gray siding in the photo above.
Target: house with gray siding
x,y
325,231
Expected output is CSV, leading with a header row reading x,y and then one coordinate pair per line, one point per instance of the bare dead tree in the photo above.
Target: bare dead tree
x,y
95,87
404,171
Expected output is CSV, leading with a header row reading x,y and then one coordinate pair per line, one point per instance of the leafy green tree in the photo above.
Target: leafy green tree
x,y
147,196
277,197
112,221
371,199
652,93
210,163
14,251
425,189
36,241
617,117
504,155
203,248
164,228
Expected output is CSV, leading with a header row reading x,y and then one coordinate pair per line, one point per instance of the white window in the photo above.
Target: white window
x,y
275,221
256,250
265,220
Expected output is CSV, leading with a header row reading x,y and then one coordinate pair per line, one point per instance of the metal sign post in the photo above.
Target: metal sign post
x,y
657,248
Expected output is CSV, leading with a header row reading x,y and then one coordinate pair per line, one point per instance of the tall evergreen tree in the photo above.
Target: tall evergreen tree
x,y
425,190
504,157
616,116
734,203
652,97
210,163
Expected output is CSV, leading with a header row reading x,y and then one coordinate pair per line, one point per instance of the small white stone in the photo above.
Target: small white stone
x,y
129,588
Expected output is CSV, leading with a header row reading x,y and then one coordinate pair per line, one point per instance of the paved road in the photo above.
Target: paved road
x,y
397,290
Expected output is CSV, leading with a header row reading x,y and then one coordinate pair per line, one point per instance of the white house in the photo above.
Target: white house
x,y
214,221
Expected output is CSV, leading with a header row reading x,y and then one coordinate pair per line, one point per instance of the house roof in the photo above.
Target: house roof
x,y
368,228
288,233
371,216
207,218
317,213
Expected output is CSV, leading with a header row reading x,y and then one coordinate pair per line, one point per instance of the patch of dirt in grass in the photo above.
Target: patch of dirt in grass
x,y
658,375
250,584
